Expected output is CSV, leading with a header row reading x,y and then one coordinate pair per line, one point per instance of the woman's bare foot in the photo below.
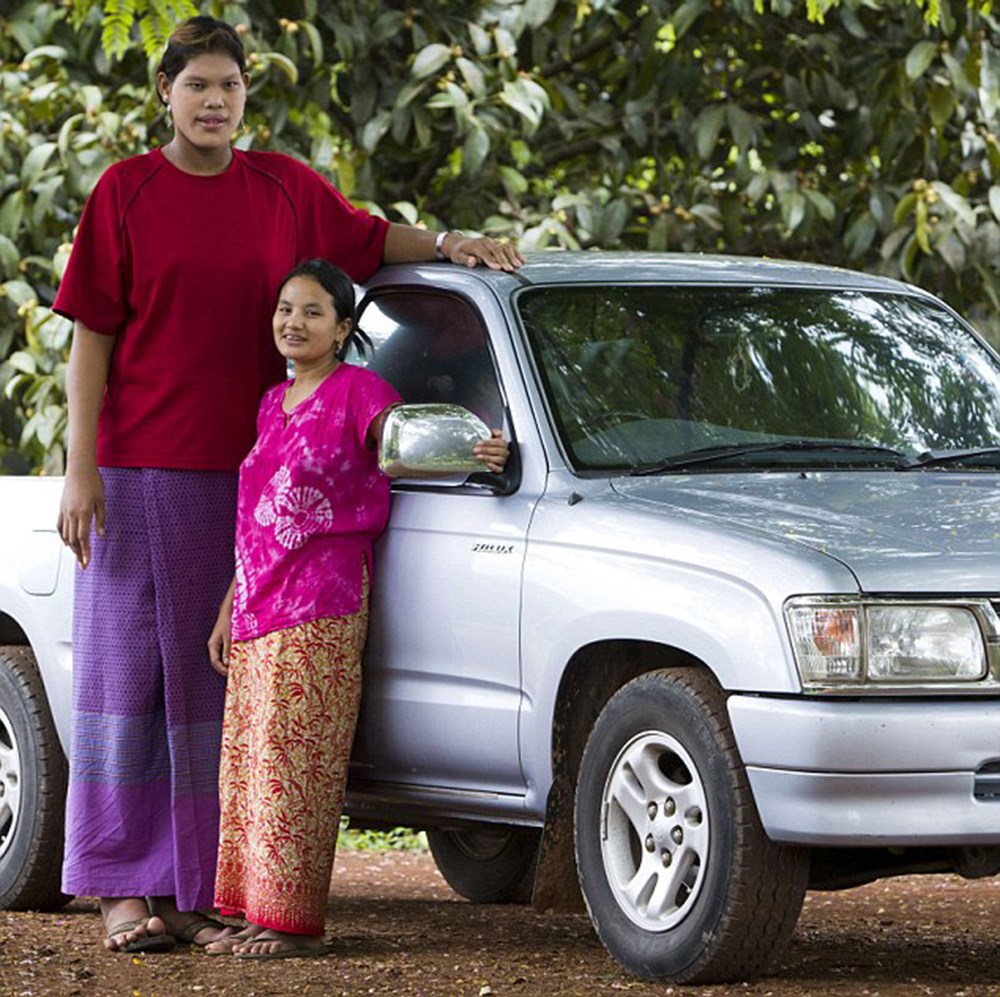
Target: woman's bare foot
x,y
189,927
224,946
271,944
130,928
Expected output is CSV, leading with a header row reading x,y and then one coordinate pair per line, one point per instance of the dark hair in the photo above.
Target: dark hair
x,y
340,287
198,36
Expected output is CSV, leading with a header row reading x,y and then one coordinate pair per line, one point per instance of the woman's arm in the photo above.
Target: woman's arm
x,y
82,501
409,244
220,640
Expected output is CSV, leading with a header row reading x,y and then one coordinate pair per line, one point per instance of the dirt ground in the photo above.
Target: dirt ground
x,y
398,929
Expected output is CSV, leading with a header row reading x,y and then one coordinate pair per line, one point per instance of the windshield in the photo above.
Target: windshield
x,y
637,377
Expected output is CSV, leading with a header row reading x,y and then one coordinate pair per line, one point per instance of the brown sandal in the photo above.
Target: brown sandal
x,y
147,943
186,935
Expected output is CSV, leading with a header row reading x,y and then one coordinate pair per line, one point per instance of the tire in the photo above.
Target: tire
x,y
32,789
680,880
490,864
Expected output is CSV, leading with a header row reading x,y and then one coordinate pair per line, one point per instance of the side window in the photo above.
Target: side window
x,y
433,348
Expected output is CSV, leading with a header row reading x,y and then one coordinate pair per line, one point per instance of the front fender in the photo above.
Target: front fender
x,y
715,599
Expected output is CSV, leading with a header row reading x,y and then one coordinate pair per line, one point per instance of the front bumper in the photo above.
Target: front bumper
x,y
875,772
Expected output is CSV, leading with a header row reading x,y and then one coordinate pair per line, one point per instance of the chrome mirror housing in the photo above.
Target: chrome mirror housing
x,y
431,440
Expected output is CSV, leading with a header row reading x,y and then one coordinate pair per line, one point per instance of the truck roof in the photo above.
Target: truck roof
x,y
601,267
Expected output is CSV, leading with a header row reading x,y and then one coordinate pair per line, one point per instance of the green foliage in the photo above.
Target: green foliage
x,y
862,133
395,840
122,18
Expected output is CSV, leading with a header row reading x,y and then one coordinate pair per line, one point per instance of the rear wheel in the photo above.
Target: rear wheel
x,y
681,881
32,789
488,864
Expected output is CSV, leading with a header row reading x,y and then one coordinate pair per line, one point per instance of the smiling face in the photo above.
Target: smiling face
x,y
206,100
307,329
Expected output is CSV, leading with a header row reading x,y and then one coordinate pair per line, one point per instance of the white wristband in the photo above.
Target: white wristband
x,y
439,245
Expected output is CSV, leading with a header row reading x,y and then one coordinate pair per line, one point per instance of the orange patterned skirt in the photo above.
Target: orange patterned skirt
x,y
291,709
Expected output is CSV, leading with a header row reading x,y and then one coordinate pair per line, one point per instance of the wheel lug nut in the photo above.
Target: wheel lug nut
x,y
677,834
650,844
669,807
666,858
651,811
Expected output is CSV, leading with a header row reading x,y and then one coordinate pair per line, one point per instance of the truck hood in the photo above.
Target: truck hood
x,y
929,531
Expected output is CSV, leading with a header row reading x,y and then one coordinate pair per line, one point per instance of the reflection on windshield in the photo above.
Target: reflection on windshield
x,y
637,375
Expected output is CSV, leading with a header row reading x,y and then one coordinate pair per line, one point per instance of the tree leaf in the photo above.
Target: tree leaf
x,y
904,208
613,220
430,59
942,102
741,124
36,161
686,15
10,256
537,12
826,208
956,71
475,149
374,130
994,198
56,52
517,95
315,41
759,185
709,214
11,214
451,96
951,249
283,63
472,75
956,203
481,41
513,180
23,362
407,211
860,235
707,129
919,58
793,209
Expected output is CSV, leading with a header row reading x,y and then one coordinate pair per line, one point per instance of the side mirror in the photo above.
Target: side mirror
x,y
431,440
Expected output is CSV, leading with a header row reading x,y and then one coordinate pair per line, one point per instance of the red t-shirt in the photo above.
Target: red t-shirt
x,y
183,270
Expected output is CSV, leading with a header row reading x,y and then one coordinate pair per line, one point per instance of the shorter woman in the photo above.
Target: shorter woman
x,y
311,502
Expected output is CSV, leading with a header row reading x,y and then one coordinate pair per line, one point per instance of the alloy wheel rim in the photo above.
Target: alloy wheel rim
x,y
10,783
655,831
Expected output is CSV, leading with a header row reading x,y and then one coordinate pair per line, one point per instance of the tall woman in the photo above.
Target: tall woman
x,y
170,287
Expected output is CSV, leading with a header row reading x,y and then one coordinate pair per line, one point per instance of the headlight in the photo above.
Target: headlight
x,y
857,643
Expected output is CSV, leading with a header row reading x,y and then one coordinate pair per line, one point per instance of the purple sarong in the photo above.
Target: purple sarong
x,y
143,808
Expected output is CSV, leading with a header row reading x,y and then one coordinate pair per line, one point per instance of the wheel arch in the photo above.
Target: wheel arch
x,y
592,676
11,632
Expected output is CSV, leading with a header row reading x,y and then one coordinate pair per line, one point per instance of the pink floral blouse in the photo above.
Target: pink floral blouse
x,y
311,501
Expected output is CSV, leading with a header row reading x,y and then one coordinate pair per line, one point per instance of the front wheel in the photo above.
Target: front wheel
x,y
681,881
32,789
492,864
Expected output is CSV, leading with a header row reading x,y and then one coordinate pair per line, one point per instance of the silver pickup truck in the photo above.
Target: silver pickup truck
x,y
726,629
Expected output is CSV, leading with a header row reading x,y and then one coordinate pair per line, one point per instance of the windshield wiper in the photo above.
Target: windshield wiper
x,y
936,458
711,455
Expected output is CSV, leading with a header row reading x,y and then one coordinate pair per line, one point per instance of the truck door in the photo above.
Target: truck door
x,y
442,688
